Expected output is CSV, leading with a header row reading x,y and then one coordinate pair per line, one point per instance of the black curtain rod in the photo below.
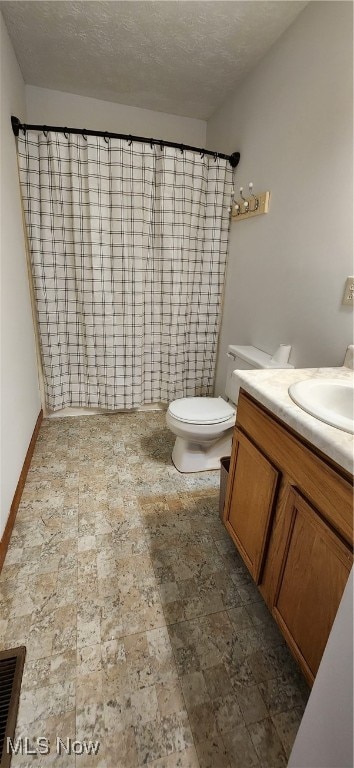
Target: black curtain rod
x,y
17,126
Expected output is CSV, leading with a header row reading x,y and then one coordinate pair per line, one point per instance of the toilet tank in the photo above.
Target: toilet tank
x,y
245,358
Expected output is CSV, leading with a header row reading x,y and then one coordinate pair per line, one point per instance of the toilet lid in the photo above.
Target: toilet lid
x,y
201,410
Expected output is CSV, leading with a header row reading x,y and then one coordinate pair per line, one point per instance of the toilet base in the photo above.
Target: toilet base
x,y
200,457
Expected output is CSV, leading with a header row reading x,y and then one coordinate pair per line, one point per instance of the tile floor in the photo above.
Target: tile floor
x,y
142,626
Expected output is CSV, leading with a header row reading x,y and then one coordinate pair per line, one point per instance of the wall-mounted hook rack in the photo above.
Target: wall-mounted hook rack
x,y
252,205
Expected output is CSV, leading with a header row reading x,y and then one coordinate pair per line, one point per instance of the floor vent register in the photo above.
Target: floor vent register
x,y
11,669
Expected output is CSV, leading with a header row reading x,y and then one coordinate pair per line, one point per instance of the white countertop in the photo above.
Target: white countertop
x,y
270,388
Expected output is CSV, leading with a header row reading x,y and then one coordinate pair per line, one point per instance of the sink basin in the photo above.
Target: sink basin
x,y
330,400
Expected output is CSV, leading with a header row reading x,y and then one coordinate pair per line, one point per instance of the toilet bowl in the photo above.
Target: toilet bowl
x,y
204,425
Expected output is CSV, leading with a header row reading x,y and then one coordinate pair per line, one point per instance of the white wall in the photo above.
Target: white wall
x,y
325,736
57,108
20,401
291,119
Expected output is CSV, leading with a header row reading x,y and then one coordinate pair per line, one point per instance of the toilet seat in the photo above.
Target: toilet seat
x,y
201,410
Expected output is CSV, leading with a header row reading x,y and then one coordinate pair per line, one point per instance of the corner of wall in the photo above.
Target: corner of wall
x,y
20,399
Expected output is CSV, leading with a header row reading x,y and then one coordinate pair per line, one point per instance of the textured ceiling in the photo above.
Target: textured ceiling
x,y
179,57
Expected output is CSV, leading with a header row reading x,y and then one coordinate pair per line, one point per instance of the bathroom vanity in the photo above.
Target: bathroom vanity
x,y
289,509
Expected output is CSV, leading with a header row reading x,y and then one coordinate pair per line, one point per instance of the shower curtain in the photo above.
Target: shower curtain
x,y
128,246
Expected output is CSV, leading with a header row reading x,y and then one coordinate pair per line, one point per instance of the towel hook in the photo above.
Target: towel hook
x,y
256,201
246,204
235,206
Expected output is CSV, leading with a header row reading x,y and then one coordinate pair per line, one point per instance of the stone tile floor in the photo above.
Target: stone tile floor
x,y
143,628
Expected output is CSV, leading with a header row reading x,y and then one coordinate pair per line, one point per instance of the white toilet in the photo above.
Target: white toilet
x,y
204,425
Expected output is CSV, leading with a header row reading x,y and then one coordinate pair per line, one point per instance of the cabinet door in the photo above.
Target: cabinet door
x,y
314,571
253,483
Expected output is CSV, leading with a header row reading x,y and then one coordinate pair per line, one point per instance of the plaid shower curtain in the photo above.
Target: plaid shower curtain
x,y
128,247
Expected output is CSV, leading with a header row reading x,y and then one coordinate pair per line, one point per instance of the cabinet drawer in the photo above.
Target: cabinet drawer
x,y
250,502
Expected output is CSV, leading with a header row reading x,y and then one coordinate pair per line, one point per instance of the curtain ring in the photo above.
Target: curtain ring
x,y
215,156
151,143
106,137
65,133
181,148
161,145
24,130
45,131
130,140
202,155
84,135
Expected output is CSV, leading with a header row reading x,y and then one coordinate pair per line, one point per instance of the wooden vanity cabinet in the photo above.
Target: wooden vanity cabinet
x,y
289,513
